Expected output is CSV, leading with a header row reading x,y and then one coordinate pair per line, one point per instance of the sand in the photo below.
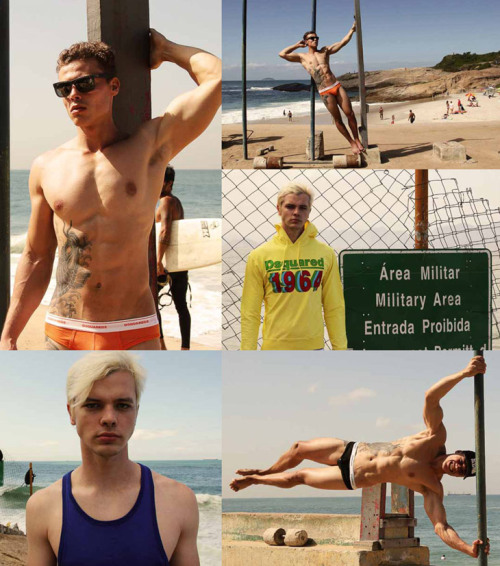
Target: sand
x,y
13,550
403,145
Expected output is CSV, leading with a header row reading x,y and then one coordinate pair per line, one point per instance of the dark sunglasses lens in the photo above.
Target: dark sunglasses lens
x,y
85,84
62,89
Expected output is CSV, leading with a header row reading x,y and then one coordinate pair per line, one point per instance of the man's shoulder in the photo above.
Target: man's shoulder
x,y
174,493
45,499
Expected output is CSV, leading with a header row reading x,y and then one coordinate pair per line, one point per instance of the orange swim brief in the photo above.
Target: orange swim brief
x,y
332,89
116,335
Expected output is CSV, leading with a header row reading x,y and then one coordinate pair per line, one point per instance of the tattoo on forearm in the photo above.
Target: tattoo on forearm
x,y
72,272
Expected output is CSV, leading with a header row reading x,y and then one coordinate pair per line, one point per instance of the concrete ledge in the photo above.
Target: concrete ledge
x,y
449,151
258,553
372,155
323,529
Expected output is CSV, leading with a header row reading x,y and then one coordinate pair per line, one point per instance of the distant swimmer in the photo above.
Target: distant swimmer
x,y
93,199
170,209
110,510
317,64
418,462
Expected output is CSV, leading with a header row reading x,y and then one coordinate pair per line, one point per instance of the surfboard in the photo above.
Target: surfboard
x,y
194,243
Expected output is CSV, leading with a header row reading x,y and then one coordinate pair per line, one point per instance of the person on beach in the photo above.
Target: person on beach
x,y
417,462
317,63
110,510
393,118
381,113
93,198
298,279
170,209
447,108
411,117
289,115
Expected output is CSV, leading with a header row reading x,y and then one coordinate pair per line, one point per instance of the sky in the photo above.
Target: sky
x,y
272,400
39,31
179,413
395,33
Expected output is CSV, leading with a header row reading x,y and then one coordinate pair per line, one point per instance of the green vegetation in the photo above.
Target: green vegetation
x,y
468,61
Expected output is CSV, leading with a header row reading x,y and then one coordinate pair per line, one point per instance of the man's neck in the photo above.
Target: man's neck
x,y
97,138
106,472
294,235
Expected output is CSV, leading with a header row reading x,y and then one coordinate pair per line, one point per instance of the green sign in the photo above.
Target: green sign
x,y
416,300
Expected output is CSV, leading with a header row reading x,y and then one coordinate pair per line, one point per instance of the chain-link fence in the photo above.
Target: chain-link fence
x,y
352,209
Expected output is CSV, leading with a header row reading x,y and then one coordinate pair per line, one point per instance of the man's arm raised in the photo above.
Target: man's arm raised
x,y
334,47
288,52
35,266
433,505
188,115
433,413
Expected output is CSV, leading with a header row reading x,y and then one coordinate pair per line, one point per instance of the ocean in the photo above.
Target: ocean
x,y
202,476
460,512
264,103
200,194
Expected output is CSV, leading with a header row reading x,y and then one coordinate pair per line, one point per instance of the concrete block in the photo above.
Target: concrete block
x,y
345,161
449,151
372,155
319,146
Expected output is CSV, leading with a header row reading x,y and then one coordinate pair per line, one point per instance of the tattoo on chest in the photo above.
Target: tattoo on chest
x,y
72,272
376,447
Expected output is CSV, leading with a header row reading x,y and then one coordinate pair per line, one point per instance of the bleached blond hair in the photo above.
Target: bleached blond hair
x,y
98,365
295,189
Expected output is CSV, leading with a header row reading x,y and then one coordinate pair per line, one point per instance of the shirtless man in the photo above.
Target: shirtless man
x,y
417,462
170,209
317,63
110,510
93,198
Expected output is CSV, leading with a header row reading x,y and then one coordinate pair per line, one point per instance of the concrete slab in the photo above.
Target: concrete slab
x,y
319,146
372,156
449,151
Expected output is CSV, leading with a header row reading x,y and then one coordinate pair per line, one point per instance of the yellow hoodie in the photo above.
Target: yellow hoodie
x,y
297,281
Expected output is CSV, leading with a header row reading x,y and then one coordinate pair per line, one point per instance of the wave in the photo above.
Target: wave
x,y
207,501
260,88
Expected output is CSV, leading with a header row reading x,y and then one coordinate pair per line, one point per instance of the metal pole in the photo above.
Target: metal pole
x,y
363,129
244,78
4,164
480,464
313,90
421,209
31,479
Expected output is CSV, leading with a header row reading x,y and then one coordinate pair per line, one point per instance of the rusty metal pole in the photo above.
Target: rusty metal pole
x,y
124,25
244,79
313,91
31,479
480,463
363,128
4,164
421,209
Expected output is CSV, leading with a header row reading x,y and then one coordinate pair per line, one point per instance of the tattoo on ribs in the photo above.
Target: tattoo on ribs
x,y
72,272
376,447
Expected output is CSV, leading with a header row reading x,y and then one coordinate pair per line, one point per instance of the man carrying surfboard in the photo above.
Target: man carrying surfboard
x,y
93,198
170,209
298,279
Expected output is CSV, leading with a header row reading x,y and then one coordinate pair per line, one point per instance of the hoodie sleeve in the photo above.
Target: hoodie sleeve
x,y
251,304
333,306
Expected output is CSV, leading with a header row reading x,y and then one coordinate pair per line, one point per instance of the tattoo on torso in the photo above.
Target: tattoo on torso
x,y
72,272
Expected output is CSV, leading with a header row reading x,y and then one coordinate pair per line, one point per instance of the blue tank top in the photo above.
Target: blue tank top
x,y
132,540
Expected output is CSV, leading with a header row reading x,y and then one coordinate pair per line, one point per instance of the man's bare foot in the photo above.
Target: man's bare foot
x,y
360,146
354,147
240,483
249,472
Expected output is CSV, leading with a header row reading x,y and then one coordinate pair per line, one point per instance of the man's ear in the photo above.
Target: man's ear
x,y
115,85
71,417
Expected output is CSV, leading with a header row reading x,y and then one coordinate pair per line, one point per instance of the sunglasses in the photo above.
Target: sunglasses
x,y
312,38
83,84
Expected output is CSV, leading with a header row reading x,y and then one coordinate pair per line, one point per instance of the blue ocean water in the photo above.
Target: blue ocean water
x,y
202,476
199,191
265,103
460,511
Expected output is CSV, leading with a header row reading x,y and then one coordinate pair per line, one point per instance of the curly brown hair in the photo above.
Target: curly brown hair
x,y
84,50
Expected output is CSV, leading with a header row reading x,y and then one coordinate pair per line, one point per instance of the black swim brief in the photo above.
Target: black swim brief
x,y
346,464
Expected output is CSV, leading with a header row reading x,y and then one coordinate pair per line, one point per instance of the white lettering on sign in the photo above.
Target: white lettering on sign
x,y
444,326
387,300
438,272
388,328
393,274
446,300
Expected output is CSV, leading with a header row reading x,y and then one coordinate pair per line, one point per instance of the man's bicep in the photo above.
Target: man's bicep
x,y
186,550
40,552
434,508
41,238
188,116
292,57
433,413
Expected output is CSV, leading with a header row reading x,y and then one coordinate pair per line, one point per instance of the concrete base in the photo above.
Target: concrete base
x,y
332,541
253,553
449,151
372,156
319,146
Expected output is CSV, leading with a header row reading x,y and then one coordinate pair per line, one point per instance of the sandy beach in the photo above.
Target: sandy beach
x,y
402,145
13,550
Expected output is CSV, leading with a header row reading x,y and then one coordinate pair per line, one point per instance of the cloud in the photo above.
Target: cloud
x,y
143,434
382,422
313,388
352,397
